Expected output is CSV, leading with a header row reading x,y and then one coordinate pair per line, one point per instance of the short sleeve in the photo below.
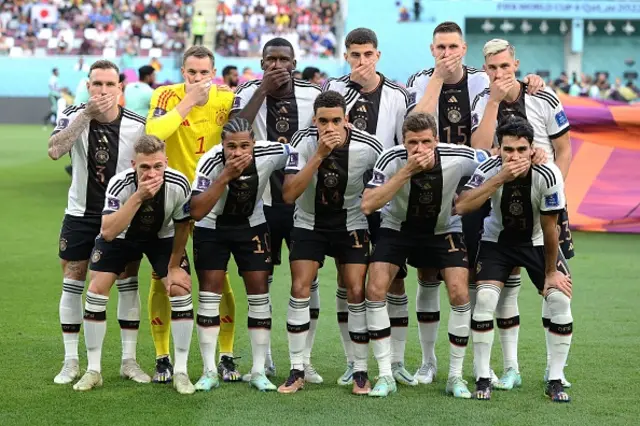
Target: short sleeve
x,y
65,118
383,170
117,193
207,171
242,97
477,109
553,200
298,156
477,179
282,160
182,209
557,121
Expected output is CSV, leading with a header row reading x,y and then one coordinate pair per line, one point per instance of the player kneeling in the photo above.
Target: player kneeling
x,y
227,204
520,231
143,205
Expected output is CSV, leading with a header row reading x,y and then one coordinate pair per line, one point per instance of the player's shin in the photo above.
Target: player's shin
x,y
482,328
181,330
459,321
398,309
259,323
208,320
298,323
159,316
70,311
314,310
546,320
95,328
379,328
508,321
428,313
560,331
359,335
269,360
343,315
227,322
128,315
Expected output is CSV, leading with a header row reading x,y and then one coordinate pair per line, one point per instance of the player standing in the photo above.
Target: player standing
x,y
144,207
520,231
227,204
377,106
278,106
137,96
448,92
325,179
100,136
416,184
546,115
189,116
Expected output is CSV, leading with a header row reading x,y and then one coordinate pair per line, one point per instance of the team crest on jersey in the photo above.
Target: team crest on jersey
x,y
159,112
515,208
360,123
282,125
476,181
331,180
113,203
102,156
552,200
203,183
426,198
561,118
95,257
63,244
62,124
221,117
293,160
378,178
454,115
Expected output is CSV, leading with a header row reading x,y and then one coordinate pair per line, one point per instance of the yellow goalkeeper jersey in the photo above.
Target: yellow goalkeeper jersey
x,y
187,139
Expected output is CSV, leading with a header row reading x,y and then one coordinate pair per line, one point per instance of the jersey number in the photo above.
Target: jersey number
x,y
99,172
452,244
200,145
259,249
356,240
461,133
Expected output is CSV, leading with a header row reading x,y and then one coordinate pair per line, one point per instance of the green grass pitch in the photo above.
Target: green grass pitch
x,y
603,363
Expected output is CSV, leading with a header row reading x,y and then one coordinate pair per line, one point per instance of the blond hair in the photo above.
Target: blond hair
x,y
498,45
148,145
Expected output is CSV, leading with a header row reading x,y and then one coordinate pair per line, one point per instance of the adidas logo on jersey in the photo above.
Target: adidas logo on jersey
x,y
185,123
453,100
362,109
148,208
283,110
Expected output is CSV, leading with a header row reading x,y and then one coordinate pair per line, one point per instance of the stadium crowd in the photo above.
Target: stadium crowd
x,y
598,86
129,27
246,25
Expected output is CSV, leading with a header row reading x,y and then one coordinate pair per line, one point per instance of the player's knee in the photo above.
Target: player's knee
x,y
300,288
355,293
178,290
131,270
458,293
559,304
487,298
397,287
376,289
75,270
428,275
100,284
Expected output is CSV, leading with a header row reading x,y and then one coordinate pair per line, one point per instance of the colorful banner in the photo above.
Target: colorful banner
x,y
603,187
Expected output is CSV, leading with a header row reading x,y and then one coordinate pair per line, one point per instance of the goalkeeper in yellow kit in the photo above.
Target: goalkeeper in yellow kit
x,y
189,118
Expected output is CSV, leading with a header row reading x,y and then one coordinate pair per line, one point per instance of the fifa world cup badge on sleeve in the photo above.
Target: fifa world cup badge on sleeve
x,y
476,181
62,124
236,102
203,183
113,203
475,120
159,112
378,178
552,200
293,160
561,118
186,208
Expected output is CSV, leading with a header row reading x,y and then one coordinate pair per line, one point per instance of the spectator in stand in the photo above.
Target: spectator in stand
x,y
312,75
230,76
199,28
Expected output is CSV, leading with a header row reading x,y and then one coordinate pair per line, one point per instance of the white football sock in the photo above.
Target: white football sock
x,y
508,322
343,322
359,335
298,323
380,335
128,315
181,330
560,331
268,353
314,312
428,313
398,309
459,322
70,312
259,323
208,320
487,297
95,328
546,320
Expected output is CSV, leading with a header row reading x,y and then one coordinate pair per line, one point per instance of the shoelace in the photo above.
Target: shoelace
x,y
425,369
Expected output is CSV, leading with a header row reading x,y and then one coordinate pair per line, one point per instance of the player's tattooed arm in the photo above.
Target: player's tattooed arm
x,y
61,143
